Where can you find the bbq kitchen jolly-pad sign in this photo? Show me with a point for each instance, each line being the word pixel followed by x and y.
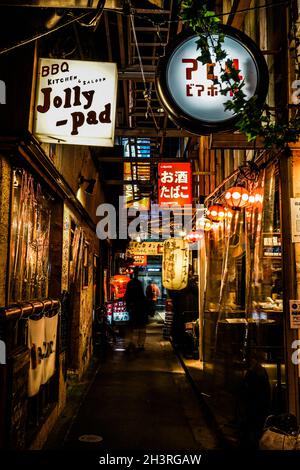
pixel 76 102
pixel 186 87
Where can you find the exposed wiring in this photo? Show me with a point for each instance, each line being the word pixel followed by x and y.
pixel 94 22
pixel 258 7
pixel 41 35
pixel 161 23
pixel 229 13
pixel 264 158
pixel 96 19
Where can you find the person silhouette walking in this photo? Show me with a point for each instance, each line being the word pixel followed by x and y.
pixel 137 307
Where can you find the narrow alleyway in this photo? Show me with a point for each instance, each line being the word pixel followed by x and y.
pixel 141 401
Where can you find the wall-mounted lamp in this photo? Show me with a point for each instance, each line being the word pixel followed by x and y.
pixel 90 187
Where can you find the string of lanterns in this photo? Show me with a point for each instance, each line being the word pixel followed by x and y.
pixel 236 198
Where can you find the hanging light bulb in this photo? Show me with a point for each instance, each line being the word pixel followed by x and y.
pixel 204 224
pixel 216 213
pixel 237 197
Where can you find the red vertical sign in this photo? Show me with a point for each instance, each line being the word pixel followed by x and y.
pixel 174 184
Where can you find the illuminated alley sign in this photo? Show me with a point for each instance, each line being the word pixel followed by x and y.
pixel 76 102
pixel 144 248
pixel 188 91
pixel 139 260
pixel 174 184
pixel 175 266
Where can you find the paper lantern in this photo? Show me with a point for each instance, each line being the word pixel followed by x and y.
pixel 216 213
pixel 194 237
pixel 119 283
pixel 204 224
pixel 256 197
pixel 175 265
pixel 228 214
pixel 237 197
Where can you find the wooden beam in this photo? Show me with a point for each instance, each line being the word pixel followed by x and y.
pixel 236 20
pixel 147 57
pixel 149 29
pixel 109 48
pixel 137 68
pixel 233 141
pixel 151 132
pixel 149 44
pixel 123 63
pixel 136 76
pixel 125 182
pixel 287 183
pixel 142 114
pixel 149 11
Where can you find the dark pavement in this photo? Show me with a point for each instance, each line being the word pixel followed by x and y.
pixel 140 401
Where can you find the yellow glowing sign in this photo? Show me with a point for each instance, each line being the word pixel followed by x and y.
pixel 175 266
pixel 144 248
pixel 144 202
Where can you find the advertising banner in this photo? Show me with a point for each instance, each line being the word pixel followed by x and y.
pixel 139 260
pixel 76 102
pixel 144 248
pixel 41 340
pixel 49 353
pixel 175 184
pixel 175 264
pixel 295 219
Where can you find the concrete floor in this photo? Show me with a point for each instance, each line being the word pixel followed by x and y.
pixel 141 401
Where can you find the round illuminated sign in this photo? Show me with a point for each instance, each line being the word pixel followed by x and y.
pixel 186 87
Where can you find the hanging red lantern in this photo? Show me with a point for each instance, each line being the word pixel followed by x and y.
pixel 204 224
pixel 216 213
pixel 259 196
pixel 256 197
pixel 237 197
pixel 251 199
pixel 119 283
pixel 194 237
